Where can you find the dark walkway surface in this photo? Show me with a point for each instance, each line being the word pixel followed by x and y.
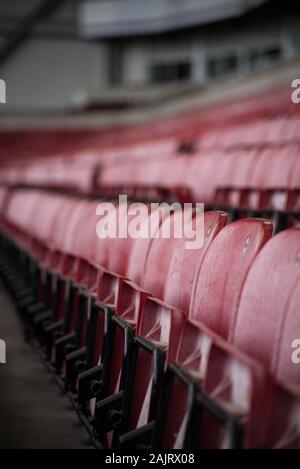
pixel 33 411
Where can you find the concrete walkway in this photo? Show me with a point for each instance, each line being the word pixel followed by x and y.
pixel 33 411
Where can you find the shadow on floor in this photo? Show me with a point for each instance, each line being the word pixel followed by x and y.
pixel 33 411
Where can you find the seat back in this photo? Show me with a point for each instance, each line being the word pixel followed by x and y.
pixel 292 129
pixel 169 172
pixel 295 176
pixel 238 167
pixel 184 262
pixel 119 248
pixel 42 223
pixel 285 363
pixel 274 167
pixel 204 174
pixel 61 260
pixel 20 213
pixel 82 241
pixel 272 174
pixel 141 248
pixel 4 191
pixel 238 171
pixel 171 234
pixel 219 282
pixel 264 316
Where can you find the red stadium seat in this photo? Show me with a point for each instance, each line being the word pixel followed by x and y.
pixel 238 170
pixel 262 312
pixel 161 250
pixel 125 297
pixel 219 282
pixel 283 367
pixel 152 311
pixel 272 178
pixel 268 185
pixel 204 173
pixel 104 287
pixel 184 263
pixel 253 134
pixel 213 387
pixel 20 213
pixel 61 173
pixel 80 246
pixel 156 346
pixel 291 129
pixel 3 198
pixel 159 346
pixel 283 430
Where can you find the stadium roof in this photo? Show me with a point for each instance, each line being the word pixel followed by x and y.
pixel 117 18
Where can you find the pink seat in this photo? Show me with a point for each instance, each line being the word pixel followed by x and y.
pixel 208 368
pixel 283 367
pixel 292 129
pixel 274 167
pixel 184 262
pixel 283 427
pixel 219 282
pixel 43 222
pixel 273 172
pixel 267 312
pixel 61 173
pixel 141 248
pixel 160 327
pixel 204 173
pixel 160 253
pixel 20 213
pixel 119 248
pixel 238 170
pixel 295 174
pixel 58 237
pixel 3 197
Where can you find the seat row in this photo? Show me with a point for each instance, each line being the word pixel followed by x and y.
pixel 260 109
pixel 205 172
pixel 253 178
pixel 280 130
pixel 152 341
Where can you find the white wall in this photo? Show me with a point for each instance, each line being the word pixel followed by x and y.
pixel 52 73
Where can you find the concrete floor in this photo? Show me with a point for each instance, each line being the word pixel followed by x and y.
pixel 33 411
